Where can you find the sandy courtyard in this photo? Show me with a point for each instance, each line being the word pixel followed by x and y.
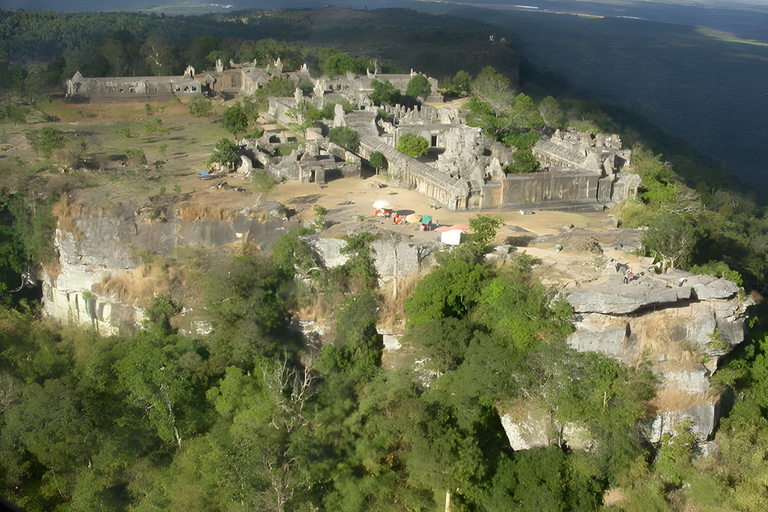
pixel 564 268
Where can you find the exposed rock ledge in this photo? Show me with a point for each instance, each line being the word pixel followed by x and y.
pixel 680 323
pixel 615 298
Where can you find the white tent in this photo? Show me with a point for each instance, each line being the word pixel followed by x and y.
pixel 452 237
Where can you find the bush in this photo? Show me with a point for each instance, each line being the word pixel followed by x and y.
pixel 262 182
pixel 224 153
pixel 136 157
pixel 328 110
pixel 718 269
pixel 200 107
pixel 13 111
pixel 412 145
pixel 523 161
pixel 45 140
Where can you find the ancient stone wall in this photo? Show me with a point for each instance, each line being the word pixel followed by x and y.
pixel 451 193
pixel 134 89
pixel 359 86
pixel 543 187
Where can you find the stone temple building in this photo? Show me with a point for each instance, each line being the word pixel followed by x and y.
pixel 464 168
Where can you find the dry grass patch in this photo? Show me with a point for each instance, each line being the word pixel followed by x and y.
pixel 392 315
pixel 197 211
pixel 614 497
pixel 67 211
pixel 668 399
pixel 140 285
pixel 315 307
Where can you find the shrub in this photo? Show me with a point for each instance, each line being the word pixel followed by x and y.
pixel 224 153
pixel 200 107
pixel 136 157
pixel 45 140
pixel 412 145
pixel 262 182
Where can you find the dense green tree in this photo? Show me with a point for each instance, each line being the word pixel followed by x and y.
pixel 451 289
pixel 338 64
pixel 672 238
pixel 412 145
pixel 251 316
pixel 225 153
pixel 418 87
pixel 345 137
pixel 377 161
pixel 234 120
pixel 444 340
pixel 150 374
pixel 384 93
pixel 523 162
pixel 533 480
pixel 525 115
pixel 521 141
pixel 462 82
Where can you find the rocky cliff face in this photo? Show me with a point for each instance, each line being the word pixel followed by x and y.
pixel 101 279
pixel 680 324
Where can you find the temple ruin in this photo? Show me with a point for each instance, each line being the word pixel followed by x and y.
pixel 464 169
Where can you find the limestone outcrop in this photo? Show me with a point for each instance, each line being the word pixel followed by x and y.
pixel 679 323
pixel 394 257
pixel 100 278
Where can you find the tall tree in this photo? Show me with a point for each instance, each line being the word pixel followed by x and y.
pixel 160 56
pixel 419 87
pixel 234 120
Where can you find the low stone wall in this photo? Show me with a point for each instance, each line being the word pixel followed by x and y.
pixel 132 89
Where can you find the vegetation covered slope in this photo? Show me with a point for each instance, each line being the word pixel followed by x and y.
pixel 247 418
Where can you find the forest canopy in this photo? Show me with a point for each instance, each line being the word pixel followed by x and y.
pixel 248 416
